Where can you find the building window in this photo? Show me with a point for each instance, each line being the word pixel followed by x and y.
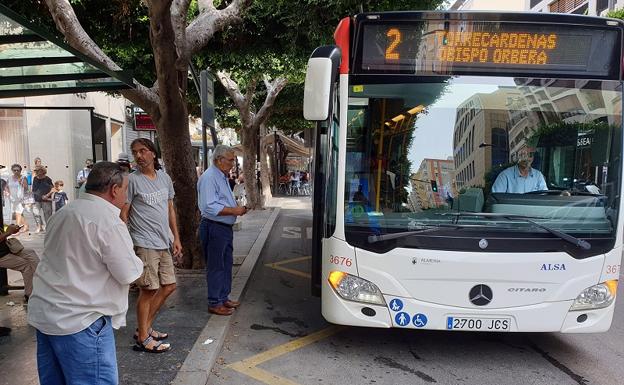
pixel 13 137
pixel 566 6
pixel 581 11
pixel 601 5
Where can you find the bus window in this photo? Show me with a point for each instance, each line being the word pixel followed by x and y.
pixel 418 152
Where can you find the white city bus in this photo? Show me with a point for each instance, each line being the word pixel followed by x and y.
pixel 468 171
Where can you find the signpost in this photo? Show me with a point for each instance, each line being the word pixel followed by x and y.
pixel 142 120
pixel 207 112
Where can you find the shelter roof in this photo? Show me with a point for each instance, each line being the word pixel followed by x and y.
pixel 34 62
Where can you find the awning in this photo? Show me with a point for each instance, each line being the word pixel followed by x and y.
pixel 32 62
pixel 294 147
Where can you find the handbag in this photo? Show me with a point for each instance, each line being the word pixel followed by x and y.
pixel 29 198
pixel 14 245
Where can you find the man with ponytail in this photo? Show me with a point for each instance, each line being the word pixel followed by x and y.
pixel 150 215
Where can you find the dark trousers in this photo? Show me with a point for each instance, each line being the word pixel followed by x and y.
pixel 216 240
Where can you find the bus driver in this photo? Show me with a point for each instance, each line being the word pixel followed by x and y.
pixel 520 179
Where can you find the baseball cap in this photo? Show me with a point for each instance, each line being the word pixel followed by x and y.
pixel 123 159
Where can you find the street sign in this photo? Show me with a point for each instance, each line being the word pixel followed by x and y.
pixel 142 120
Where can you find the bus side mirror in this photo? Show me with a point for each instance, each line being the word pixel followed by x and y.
pixel 317 89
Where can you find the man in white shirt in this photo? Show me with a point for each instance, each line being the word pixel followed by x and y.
pixel 81 284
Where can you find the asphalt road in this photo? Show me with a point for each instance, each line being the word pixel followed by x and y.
pixel 279 337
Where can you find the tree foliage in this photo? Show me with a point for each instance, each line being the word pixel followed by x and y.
pixel 616 14
pixel 157 38
pixel 276 37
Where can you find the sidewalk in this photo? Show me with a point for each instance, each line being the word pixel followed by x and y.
pixel 184 316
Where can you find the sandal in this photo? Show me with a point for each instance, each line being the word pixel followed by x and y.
pixel 150 345
pixel 156 335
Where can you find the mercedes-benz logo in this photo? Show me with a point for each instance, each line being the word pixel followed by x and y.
pixel 483 244
pixel 480 295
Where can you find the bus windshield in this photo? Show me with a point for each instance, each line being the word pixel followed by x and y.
pixel 419 153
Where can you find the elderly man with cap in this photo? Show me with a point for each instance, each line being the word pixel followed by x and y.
pixel 123 160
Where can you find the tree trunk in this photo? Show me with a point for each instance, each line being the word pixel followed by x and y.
pixel 177 155
pixel 173 42
pixel 249 143
pixel 265 172
pixel 171 119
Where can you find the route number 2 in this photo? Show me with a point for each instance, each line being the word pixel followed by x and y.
pixel 395 35
pixel 613 269
pixel 336 260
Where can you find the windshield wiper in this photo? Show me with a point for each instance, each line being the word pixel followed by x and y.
pixel 583 244
pixel 561 192
pixel 425 229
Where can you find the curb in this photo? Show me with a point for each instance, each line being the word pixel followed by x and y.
pixel 197 366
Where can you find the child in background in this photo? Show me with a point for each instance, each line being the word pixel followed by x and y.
pixel 57 196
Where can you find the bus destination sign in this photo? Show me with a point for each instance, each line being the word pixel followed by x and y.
pixel 480 47
pixel 497 48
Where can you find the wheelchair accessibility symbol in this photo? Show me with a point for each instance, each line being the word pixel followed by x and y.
pixel 419 320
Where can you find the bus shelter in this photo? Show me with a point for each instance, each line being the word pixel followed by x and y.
pixel 34 62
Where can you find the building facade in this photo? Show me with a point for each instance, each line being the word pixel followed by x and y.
pixel 64 131
pixel 481 135
pixel 440 171
pixel 488 5
pixel 580 7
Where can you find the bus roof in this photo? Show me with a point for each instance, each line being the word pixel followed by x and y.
pixel 542 17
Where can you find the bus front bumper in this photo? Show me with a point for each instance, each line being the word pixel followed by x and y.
pixel 414 314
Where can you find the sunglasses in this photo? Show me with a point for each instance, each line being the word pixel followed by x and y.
pixel 15 169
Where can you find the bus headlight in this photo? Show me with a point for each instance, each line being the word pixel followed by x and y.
pixel 596 297
pixel 356 289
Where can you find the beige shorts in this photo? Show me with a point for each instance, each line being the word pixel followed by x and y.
pixel 157 268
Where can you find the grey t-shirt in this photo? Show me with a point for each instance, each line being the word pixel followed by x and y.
pixel 148 220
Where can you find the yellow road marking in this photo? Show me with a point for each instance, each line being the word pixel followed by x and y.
pixel 249 365
pixel 292 346
pixel 291 271
pixel 263 375
pixel 292 260
pixel 278 266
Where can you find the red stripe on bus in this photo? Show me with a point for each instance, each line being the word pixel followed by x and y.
pixel 341 36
